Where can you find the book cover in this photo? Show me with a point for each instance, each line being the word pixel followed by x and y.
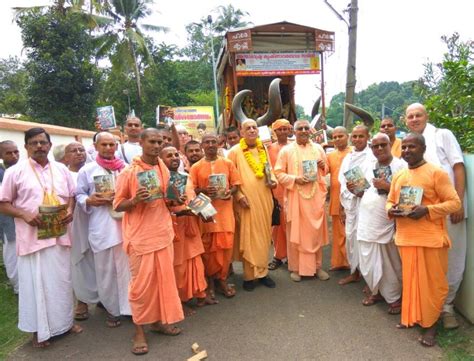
pixel 264 134
pixel 106 117
pixel 383 171
pixel 149 179
pixel 310 169
pixel 51 217
pixel 104 184
pixel 176 186
pixel 356 176
pixel 202 205
pixel 409 197
pixel 219 181
pixel 161 116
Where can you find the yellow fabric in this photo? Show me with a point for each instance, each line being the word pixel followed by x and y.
pixel 280 123
pixel 397 148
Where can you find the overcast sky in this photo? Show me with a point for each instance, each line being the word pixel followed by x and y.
pixel 394 40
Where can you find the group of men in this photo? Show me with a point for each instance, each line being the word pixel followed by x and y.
pixel 135 254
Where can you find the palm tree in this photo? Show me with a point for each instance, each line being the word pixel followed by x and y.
pixel 229 18
pixel 124 42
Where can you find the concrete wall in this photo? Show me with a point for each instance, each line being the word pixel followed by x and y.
pixel 465 297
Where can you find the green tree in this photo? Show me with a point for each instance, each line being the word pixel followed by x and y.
pixel 125 42
pixel 447 90
pixel 63 87
pixel 300 114
pixel 13 84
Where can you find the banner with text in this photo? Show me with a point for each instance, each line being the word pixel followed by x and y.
pixel 277 64
pixel 190 117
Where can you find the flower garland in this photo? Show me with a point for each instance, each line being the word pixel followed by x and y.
pixel 298 161
pixel 257 168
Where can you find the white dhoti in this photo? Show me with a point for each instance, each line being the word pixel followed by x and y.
pixel 352 243
pixel 84 278
pixel 45 298
pixel 10 262
pixel 456 257
pixel 381 267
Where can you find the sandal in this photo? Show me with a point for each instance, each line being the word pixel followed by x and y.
pixel 428 340
pixel 225 289
pixel 372 300
pixel 274 264
pixel 395 308
pixel 139 348
pixel 113 321
pixel 168 330
pixel 82 312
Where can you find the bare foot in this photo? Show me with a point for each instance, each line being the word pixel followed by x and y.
pixel 188 311
pixel 169 330
pixel 140 345
pixel 206 301
pixel 355 277
pixel 339 268
pixel 37 344
pixel 402 327
pixel 429 338
pixel 75 329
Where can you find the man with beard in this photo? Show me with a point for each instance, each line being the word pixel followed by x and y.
pixel 45 304
pixel 148 241
pixel 218 236
pixel 193 152
pixel 305 195
pixel 379 260
pixel 360 156
pixel 9 154
pixel 104 249
pixel 422 237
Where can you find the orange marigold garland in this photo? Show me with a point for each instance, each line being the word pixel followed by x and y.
pixel 257 167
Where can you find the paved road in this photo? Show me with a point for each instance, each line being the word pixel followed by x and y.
pixel 310 320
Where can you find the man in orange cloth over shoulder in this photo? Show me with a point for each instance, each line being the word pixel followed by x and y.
pixel 218 236
pixel 335 158
pixel 148 241
pixel 422 237
pixel 187 245
pixel 301 168
pixel 282 128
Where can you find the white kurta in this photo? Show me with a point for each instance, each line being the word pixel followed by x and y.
pixel 443 149
pixel 351 203
pixel 379 261
pixel 105 258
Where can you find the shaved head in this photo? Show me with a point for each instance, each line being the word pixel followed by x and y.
pixel 381 136
pixel 103 135
pixel 147 132
pixel 420 139
pixel 362 127
pixel 413 106
pixel 340 129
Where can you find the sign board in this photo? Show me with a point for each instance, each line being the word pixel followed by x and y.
pixel 324 40
pixel 239 41
pixel 190 117
pixel 277 64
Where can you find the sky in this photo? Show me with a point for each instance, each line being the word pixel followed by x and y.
pixel 394 38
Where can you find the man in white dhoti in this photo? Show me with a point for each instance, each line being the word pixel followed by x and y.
pixel 350 197
pixel 102 255
pixel 9 154
pixel 45 304
pixel 443 149
pixel 379 261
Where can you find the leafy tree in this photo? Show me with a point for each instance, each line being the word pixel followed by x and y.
pixel 13 84
pixel 63 87
pixel 300 114
pixel 447 90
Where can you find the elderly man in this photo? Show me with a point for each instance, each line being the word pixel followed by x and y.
pixel 9 154
pixel 300 169
pixel 422 237
pixel 148 241
pixel 75 157
pixel 443 150
pixel 254 206
pixel 351 195
pixel 379 260
pixel 59 154
pixel 387 126
pixel 218 236
pixel 340 138
pixel 44 266
pixel 105 247
pixel 281 127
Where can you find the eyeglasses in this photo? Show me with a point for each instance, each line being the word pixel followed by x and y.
pixel 303 128
pixel 77 150
pixel 37 142
pixel 377 146
pixel 387 126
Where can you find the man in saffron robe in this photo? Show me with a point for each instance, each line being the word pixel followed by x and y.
pixel 300 168
pixel 387 126
pixel 335 158
pixel 148 241
pixel 422 237
pixel 187 245
pixel 218 236
pixel 281 127
pixel 254 206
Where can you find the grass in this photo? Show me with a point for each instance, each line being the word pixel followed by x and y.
pixel 457 345
pixel 10 336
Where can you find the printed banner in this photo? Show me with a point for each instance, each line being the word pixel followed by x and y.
pixel 277 64
pixel 190 117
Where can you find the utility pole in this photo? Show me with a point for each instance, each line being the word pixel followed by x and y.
pixel 214 72
pixel 351 55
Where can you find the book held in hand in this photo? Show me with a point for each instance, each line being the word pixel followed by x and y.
pixel 310 169
pixel 202 205
pixel 219 181
pixel 104 184
pixel 383 172
pixel 51 217
pixel 409 197
pixel 106 117
pixel 176 186
pixel 149 179
pixel 356 176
